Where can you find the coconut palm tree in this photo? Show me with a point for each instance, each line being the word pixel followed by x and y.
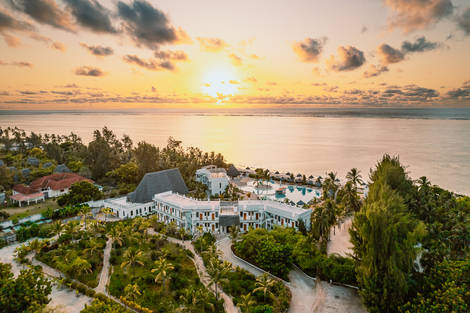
pixel 162 268
pixel 350 198
pixel 245 303
pixel 264 284
pixel 37 245
pixel 81 266
pixel 234 233
pixel 355 177
pixel 93 247
pixel 217 272
pixel 57 228
pixel 106 211
pixel 131 292
pixel 116 235
pixel 132 258
pixel 72 228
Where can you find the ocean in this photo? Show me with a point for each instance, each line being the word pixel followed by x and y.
pixel 430 142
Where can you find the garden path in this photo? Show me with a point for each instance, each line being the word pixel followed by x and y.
pixel 104 276
pixel 202 272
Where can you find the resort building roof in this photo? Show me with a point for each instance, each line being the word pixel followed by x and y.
pixel 57 181
pixel 158 182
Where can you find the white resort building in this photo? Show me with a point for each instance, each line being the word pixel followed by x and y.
pixel 162 193
pixel 214 178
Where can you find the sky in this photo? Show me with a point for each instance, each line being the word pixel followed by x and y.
pixel 100 54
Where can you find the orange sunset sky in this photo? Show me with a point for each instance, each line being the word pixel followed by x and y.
pixel 73 54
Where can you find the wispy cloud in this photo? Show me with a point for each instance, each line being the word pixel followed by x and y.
pixel 89 71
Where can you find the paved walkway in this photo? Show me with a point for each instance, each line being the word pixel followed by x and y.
pixel 104 276
pixel 307 295
pixel 202 272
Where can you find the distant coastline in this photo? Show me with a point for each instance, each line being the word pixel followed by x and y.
pixel 396 113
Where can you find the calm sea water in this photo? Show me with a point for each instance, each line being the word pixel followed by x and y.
pixel 431 142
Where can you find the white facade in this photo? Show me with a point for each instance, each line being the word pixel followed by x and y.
pixel 214 178
pixel 124 209
pixel 209 215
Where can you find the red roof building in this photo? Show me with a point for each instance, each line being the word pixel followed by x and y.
pixel 50 186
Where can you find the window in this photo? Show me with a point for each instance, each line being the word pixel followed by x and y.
pixel 132 213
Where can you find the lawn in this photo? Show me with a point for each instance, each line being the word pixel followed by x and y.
pixel 25 211
pixel 132 277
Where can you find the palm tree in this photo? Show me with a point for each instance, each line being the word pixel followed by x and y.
pixel 163 267
pixel 93 247
pixel 217 272
pixel 72 228
pixel 350 198
pixel 355 177
pixel 245 303
pixel 106 211
pixel 234 233
pixel 57 228
pixel 264 283
pixel 116 235
pixel 182 233
pixel 81 266
pixel 131 292
pixel 131 258
pixel 424 182
pixel 36 245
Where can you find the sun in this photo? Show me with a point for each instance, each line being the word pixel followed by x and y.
pixel 220 83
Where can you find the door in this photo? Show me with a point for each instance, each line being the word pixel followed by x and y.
pixel 213 227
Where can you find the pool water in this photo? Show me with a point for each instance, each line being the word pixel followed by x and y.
pixel 294 193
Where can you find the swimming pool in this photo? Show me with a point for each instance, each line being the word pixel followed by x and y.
pixel 294 193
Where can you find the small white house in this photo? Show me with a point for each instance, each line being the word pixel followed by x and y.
pixel 214 178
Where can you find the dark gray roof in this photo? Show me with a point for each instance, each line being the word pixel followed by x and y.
pixel 32 161
pixel 229 220
pixel 47 165
pixel 157 182
pixel 61 168
pixel 232 171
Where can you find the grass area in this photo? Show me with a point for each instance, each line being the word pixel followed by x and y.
pixel 25 211
pixel 78 254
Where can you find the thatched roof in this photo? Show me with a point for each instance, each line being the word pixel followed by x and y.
pixel 158 182
pixel 232 171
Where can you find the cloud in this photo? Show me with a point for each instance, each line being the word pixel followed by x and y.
pixel 411 15
pixel 310 49
pixel 463 21
pixel 11 40
pixel 58 46
pixel 375 70
pixel 420 45
pixel 18 64
pixel 150 64
pixel 99 51
pixel 364 29
pixel 171 55
pixel 149 26
pixel 234 82
pixel 89 71
pixel 462 93
pixel 255 56
pixel 92 15
pixel 8 22
pixel 212 44
pixel 389 55
pixel 349 58
pixel 44 12
pixel 236 60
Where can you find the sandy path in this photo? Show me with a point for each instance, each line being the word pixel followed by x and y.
pixel 64 299
pixel 104 276
pixel 336 299
pixel 202 272
pixel 340 239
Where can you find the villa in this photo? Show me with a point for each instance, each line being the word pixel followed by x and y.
pixel 214 178
pixel 162 193
pixel 50 186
